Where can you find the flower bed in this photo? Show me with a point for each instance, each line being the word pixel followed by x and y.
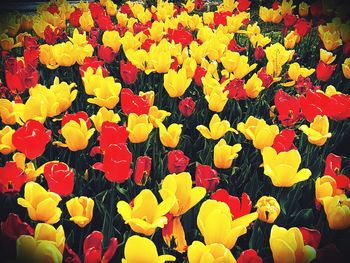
pixel 152 133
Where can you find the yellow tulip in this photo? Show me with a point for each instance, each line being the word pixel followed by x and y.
pixel 291 39
pixel 122 18
pixel 146 214
pixel 230 60
pixel 317 133
pixel 268 209
pixel 170 136
pixel 35 108
pixel 303 9
pixel 43 251
pixel 48 232
pixel 149 95
pixel 331 39
pixel 52 106
pixel 77 135
pixel 346 68
pixel 216 49
pixel 198 52
pixel 283 167
pixel 86 21
pixel 224 154
pixel 330 91
pixel 160 60
pixel 64 54
pixel 156 31
pixel 111 39
pixel 253 86
pixel 129 41
pixel 243 67
pixel 288 246
pixel 217 99
pixel 64 94
pixel 198 252
pixel 139 127
pixel 174 232
pixel 176 83
pixel 41 205
pixel 270 15
pixel 326 186
pixel 46 56
pixel 111 8
pixel 180 186
pixel 6 145
pixel 277 56
pixel 294 71
pixel 210 84
pixel 7 113
pixel 215 223
pixel 157 115
pixel 190 65
pixel 141 249
pixel 102 116
pixel 81 210
pixel 208 18
pixel 337 210
pixel 286 7
pixel 258 131
pixel 217 128
pixel 259 40
pixel 6 42
pixel 327 57
pixel 234 23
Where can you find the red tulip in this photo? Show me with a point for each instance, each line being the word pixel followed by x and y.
pixel 276 5
pixel 236 89
pixel 51 36
pixel 259 53
pixel 238 208
pixel 313 104
pixel 96 10
pixel 112 133
pixel 324 71
pixel 93 248
pixel 267 79
pixel 147 44
pixel 187 106
pixel 116 163
pixel 243 5
pixel 94 63
pixel 305 84
pixel 302 27
pixel 76 117
pixel 128 72
pixel 220 18
pixel 125 9
pixel 207 177
pixel 288 108
pixel 60 178
pixel 11 178
pixel 233 46
pixel 198 74
pixel 53 9
pixel 283 142
pixel 339 109
pixel 142 170
pixel 132 103
pixel 104 22
pixel 106 54
pixel 312 237
pixel 180 36
pixel 177 161
pixel 13 227
pixel 31 139
pixel 198 4
pixel 249 256
pixel 75 16
pixel 289 20
pixel 70 256
pixel 333 169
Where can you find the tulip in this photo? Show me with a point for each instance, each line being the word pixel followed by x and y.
pixel 217 100
pixel 60 178
pixel 238 208
pixel 128 72
pixel 282 168
pixel 268 209
pixel 216 225
pixel 302 27
pixel 295 71
pixel 291 39
pixel 333 167
pixel 330 39
pixel 270 15
pixel 243 67
pixel 253 86
pixel 141 249
pixel 49 233
pixel 139 127
pixel 155 115
pixel 198 252
pixel 12 178
pixel 288 246
pixel 318 131
pixel 230 60
pixel 180 186
pixel 337 210
pixel 249 255
pixel 93 248
pixel 6 145
pixel 7 114
pixel 13 227
pixel 346 68
pixel 277 56
pixel 176 83
pixel 106 54
pixel 160 59
pixel 76 117
pixel 104 115
pixel 41 205
pixel 187 106
pixel 31 139
pixel 106 95
pixel 206 177
pixel 288 108
pixel 132 103
pixel 81 210
pixel 172 232
pixel 237 90
pixel 303 9
pixel 283 142
pixel 146 214
pixel 76 134
pixel 86 22
pixel 112 133
pixel 324 71
pixel 217 128
pixel 259 132
pixel 170 136
pixel 327 57
pixel 111 39
pixel 142 170
pixel 177 161
pixel 326 186
pixel 224 154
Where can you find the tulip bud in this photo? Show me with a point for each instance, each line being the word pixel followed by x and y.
pixel 142 170
pixel 207 177
pixel 187 106
pixel 259 53
pixel 268 209
pixel 177 161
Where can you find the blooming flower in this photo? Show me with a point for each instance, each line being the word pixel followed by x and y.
pixel 217 128
pixel 318 131
pixel 268 209
pixel 60 178
pixel 93 248
pixel 81 210
pixel 198 252
pixel 224 154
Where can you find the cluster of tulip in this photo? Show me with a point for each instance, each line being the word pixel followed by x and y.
pixel 163 132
